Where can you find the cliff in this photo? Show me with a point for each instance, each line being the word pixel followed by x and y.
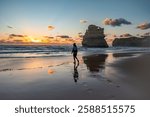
pixel 132 41
pixel 94 37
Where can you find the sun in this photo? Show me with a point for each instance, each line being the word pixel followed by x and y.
pixel 34 40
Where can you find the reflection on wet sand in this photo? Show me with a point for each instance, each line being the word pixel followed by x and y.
pixel 50 71
pixel 123 54
pixel 99 76
pixel 76 74
pixel 95 62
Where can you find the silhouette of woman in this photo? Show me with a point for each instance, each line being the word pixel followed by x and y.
pixel 74 52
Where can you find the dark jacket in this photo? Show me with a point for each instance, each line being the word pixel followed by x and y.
pixel 74 49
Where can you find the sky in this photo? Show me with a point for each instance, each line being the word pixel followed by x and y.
pixel 50 21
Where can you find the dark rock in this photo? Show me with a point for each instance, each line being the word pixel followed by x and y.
pixel 132 41
pixel 94 37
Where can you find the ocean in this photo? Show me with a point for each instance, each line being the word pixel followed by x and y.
pixel 35 51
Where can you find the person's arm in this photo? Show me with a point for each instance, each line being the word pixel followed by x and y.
pixel 72 51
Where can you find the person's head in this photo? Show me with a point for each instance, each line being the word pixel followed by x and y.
pixel 74 44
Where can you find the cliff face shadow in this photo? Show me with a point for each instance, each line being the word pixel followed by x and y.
pixel 95 62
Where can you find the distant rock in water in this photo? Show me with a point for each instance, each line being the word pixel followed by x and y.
pixel 94 37
pixel 132 41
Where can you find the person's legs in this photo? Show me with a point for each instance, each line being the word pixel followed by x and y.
pixel 74 57
pixel 77 59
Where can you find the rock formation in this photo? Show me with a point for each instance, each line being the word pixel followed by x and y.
pixel 94 37
pixel 132 41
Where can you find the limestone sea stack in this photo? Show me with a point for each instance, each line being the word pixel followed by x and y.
pixel 132 41
pixel 94 37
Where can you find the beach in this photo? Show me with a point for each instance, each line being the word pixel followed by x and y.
pixel 99 76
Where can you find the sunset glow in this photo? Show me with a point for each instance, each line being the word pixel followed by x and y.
pixel 65 22
pixel 34 40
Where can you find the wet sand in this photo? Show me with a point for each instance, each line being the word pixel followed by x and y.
pixel 97 77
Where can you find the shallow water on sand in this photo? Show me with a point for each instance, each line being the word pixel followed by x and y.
pixel 96 77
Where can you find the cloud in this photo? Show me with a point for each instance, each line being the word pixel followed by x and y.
pixel 18 41
pixel 83 21
pixel 116 22
pixel 2 41
pixel 69 39
pixel 146 34
pixel 48 37
pixel 9 27
pixel 51 27
pixel 126 35
pixel 63 36
pixel 110 38
pixel 15 35
pixel 80 35
pixel 144 26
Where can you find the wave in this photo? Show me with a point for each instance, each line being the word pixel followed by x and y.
pixel 32 51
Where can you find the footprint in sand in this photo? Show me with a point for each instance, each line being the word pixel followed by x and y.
pixel 109 81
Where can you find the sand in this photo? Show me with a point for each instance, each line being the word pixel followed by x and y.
pixel 121 76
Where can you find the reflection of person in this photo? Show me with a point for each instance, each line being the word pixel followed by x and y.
pixel 74 52
pixel 76 74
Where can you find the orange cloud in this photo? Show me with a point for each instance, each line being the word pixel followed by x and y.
pixel 2 41
pixel 144 26
pixel 116 22
pixel 51 27
pixel 26 39
pixel 146 34
pixel 126 35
